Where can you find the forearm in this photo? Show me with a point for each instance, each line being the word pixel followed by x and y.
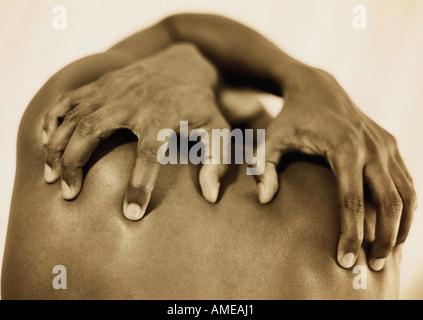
pixel 86 70
pixel 228 44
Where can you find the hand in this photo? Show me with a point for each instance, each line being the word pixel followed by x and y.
pixel 319 118
pixel 145 97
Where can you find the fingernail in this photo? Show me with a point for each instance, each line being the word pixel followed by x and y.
pixel 266 192
pixel 347 260
pixel 133 212
pixel 45 138
pixel 261 195
pixel 215 192
pixel 377 264
pixel 212 192
pixel 49 174
pixel 66 191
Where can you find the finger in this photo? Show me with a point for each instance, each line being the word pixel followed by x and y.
pixel 348 172
pixel 60 139
pixel 408 197
pixel 278 143
pixel 143 179
pixel 268 183
pixel 52 166
pixel 88 133
pixel 209 178
pixel 52 118
pixel 61 108
pixel 218 157
pixel 389 209
pixel 400 163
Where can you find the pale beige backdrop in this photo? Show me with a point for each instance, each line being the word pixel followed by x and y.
pixel 381 67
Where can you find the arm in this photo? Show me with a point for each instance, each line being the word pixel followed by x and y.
pixel 318 118
pixel 185 248
pixel 227 43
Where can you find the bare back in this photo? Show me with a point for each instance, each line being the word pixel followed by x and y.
pixel 185 248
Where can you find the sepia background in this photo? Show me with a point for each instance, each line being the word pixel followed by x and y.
pixel 380 67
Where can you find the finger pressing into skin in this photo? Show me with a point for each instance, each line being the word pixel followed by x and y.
pixel 216 139
pixel 408 197
pixel 276 145
pixel 53 156
pixel 60 138
pixel 268 183
pixel 348 172
pixel 88 133
pixel 52 118
pixel 142 181
pixel 389 209
pixel 209 179
pixel 61 108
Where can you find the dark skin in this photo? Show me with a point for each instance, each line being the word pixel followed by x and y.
pixel 177 83
pixel 318 119
pixel 185 247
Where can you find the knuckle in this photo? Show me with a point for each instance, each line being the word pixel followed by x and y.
pixel 350 149
pixel 393 207
pixel 392 141
pixel 355 238
pixel 137 129
pixel 52 147
pixel 409 199
pixel 65 163
pixel 68 163
pixel 148 153
pixel 140 189
pixel 386 246
pixel 350 141
pixel 401 238
pixel 49 117
pixel 52 157
pixel 149 130
pixel 67 97
pixel 87 126
pixel 72 115
pixel 389 143
pixel 353 205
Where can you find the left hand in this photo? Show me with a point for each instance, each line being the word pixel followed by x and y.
pixel 146 97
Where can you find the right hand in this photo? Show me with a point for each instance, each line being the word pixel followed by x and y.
pixel 319 118
pixel 154 94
